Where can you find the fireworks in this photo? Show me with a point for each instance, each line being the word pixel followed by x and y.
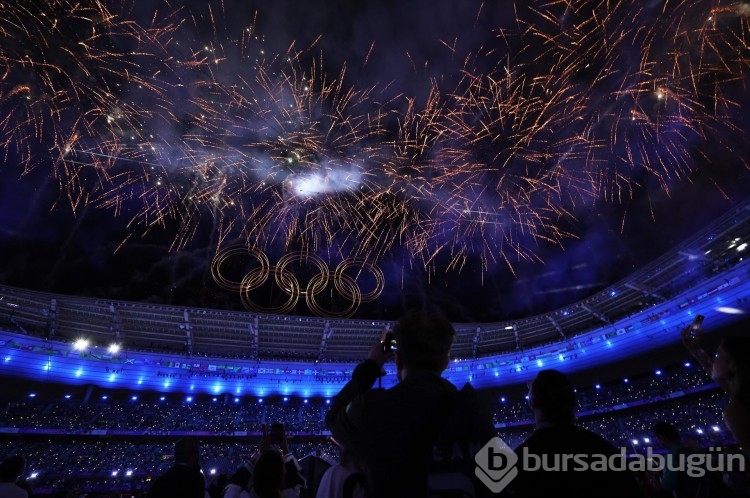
pixel 179 118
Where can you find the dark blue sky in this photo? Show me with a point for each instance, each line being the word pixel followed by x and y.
pixel 498 161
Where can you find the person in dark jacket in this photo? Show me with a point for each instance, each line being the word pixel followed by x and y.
pixel 184 478
pixel 420 437
pixel 551 460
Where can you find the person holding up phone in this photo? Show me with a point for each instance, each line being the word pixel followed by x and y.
pixel 294 480
pixel 419 437
pixel 730 369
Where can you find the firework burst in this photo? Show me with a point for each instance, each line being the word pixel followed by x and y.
pixel 180 119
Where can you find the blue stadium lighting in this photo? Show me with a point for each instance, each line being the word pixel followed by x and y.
pixel 625 380
pixel 189 399
pixel 217 388
pixel 162 398
pixel 112 377
pixel 134 398
pixel 236 400
pixel 32 395
pixel 598 386
pixel 7 359
pixel 658 372
pixel 561 357
pixel 328 402
pixel 67 396
pixel 687 363
pixel 526 397
pixel 140 381
pixel 215 400
pixel 79 372
pixel 503 399
pixel 192 387
pixel 47 366
pixel 539 363
pixel 260 400
pixel 166 383
pixel 114 348
pixel 286 399
pixel 305 401
pixel 497 374
pixel 105 396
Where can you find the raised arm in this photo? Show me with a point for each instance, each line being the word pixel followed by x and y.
pixel 691 339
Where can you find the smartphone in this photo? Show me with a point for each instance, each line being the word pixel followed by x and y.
pixel 696 325
pixel 389 343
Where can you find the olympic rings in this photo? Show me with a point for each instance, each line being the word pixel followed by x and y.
pixel 255 275
pixel 287 281
pixel 364 264
pixel 221 258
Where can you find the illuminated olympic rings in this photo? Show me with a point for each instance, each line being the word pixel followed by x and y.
pixel 343 281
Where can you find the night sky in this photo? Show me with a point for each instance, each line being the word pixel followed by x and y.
pixel 496 160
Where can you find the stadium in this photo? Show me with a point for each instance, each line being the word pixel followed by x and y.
pixel 210 212
pixel 116 380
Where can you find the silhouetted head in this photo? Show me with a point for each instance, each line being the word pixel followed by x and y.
pixel 667 434
pixel 732 365
pixel 186 451
pixel 552 395
pixel 268 474
pixel 424 341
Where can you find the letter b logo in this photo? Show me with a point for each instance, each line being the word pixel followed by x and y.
pixel 496 464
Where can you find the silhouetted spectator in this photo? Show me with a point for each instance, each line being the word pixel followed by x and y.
pixel 730 368
pixel 677 478
pixel 240 483
pixel 345 479
pixel 184 478
pixel 268 476
pixel 294 480
pixel 549 473
pixel 420 437
pixel 314 465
